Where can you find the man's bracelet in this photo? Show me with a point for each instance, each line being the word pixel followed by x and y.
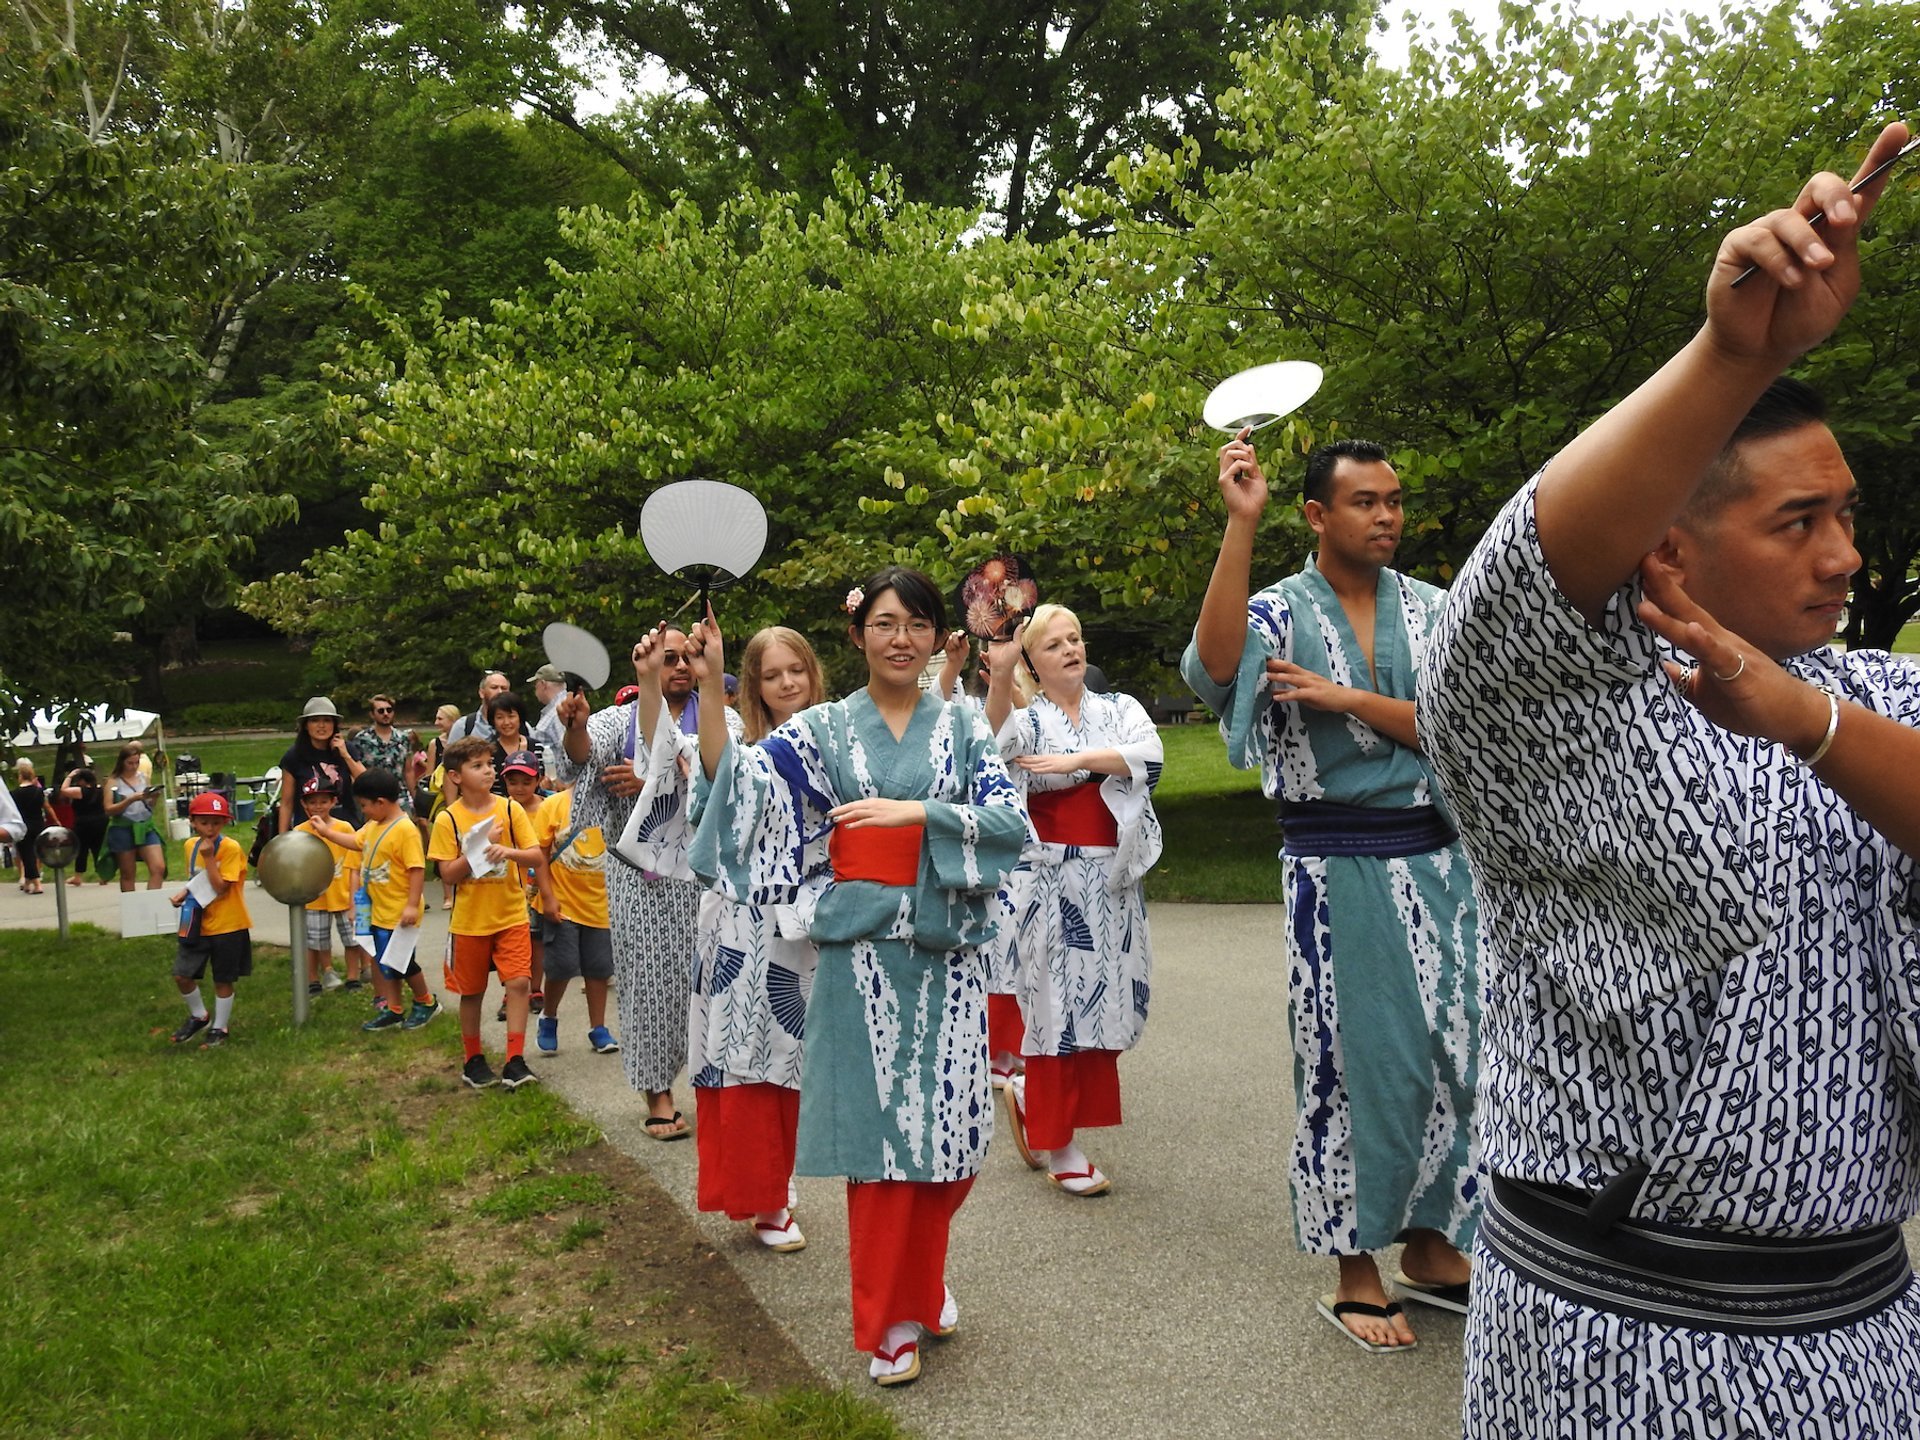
pixel 1833 728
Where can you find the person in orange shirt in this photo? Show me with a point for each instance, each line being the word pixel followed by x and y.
pixel 217 933
pixel 393 873
pixel 579 946
pixel 333 909
pixel 489 926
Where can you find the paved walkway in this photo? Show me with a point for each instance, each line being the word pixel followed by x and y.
pixel 1175 1305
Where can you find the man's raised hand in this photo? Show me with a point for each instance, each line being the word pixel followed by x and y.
pixel 1242 483
pixel 1808 277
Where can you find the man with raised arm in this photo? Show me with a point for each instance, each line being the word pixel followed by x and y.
pixel 1313 680
pixel 1698 1098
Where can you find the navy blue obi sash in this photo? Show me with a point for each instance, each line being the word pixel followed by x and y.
pixel 1692 1279
pixel 1320 827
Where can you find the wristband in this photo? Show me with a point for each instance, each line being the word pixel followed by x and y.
pixel 1833 728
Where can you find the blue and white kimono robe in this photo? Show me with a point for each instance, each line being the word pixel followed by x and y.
pixel 752 964
pixel 896 1084
pixel 1704 962
pixel 1086 960
pixel 651 916
pixel 1381 952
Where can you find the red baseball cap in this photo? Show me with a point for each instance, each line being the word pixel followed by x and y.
pixel 211 802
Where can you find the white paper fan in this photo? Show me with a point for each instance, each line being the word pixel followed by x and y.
pixel 1262 395
pixel 704 532
pixel 579 653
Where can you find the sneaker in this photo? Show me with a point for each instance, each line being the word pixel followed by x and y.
pixel 547 1035
pixel 515 1073
pixel 330 980
pixel 418 1014
pixel 189 1027
pixel 602 1041
pixel 313 987
pixel 352 984
pixel 477 1073
pixel 536 1002
pixel 216 1037
pixel 385 1020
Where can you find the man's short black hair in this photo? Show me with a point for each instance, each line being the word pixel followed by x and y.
pixel 1784 406
pixel 1318 482
pixel 373 784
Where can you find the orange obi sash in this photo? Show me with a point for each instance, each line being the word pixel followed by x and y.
pixel 882 854
pixel 1074 816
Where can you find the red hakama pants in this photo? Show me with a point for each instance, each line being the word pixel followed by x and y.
pixel 1006 1026
pixel 897 1249
pixel 1073 1092
pixel 746 1136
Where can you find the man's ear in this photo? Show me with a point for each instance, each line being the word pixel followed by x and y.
pixel 1316 514
pixel 1675 548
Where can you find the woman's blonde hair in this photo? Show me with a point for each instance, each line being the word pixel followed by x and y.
pixel 1043 620
pixel 754 715
pixel 446 712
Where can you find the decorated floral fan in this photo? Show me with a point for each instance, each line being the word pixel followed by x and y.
pixel 996 597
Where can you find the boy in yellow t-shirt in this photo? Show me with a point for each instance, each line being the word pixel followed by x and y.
pixel 482 842
pixel 579 945
pixel 393 873
pixel 332 910
pixel 216 932
pixel 520 774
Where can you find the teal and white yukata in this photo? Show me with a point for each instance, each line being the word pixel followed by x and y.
pixel 895 1083
pixel 1381 949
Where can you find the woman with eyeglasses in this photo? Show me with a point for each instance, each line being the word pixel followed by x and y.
pixel 888 821
pixel 1088 764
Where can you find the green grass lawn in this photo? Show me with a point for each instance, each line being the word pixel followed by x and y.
pixel 315 1232
pixel 1908 641
pixel 1222 843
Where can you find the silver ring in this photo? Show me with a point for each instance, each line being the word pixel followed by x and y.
pixel 1738 671
pixel 1687 678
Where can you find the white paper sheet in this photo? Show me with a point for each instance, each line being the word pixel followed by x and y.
pixel 200 887
pixel 474 846
pixel 400 947
pixel 148 912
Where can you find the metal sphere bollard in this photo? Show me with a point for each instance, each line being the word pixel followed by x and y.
pixel 56 847
pixel 297 867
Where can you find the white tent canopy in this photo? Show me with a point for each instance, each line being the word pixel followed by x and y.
pixel 96 724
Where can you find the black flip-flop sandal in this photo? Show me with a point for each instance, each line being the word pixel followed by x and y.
pixel 668 1120
pixel 1441 1297
pixel 1331 1311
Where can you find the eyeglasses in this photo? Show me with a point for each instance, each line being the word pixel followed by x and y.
pixel 887 629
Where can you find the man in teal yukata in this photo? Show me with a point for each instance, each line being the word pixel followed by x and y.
pixel 1313 681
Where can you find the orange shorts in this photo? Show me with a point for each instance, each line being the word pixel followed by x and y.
pixel 469 957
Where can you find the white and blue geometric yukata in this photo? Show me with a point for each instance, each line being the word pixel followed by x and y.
pixel 752 964
pixel 1703 963
pixel 652 916
pixel 1381 949
pixel 895 1083
pixel 1086 959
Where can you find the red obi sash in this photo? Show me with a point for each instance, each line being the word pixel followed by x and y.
pixel 885 855
pixel 1074 816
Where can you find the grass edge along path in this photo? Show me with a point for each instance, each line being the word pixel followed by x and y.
pixel 316 1232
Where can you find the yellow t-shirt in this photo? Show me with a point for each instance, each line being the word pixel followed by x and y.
pixel 228 912
pixel 580 871
pixel 339 894
pixel 392 850
pixel 485 907
pixel 531 890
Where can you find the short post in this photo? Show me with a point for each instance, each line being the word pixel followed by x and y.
pixel 57 851
pixel 297 867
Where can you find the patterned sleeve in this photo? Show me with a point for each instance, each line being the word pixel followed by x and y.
pixel 660 829
pixel 606 743
pixel 762 839
pixel 1130 796
pixel 1243 704
pixel 973 843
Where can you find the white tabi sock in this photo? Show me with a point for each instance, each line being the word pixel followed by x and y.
pixel 1069 1159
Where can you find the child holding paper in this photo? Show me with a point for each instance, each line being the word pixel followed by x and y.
pixel 482 843
pixel 215 928
pixel 333 909
pixel 393 873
